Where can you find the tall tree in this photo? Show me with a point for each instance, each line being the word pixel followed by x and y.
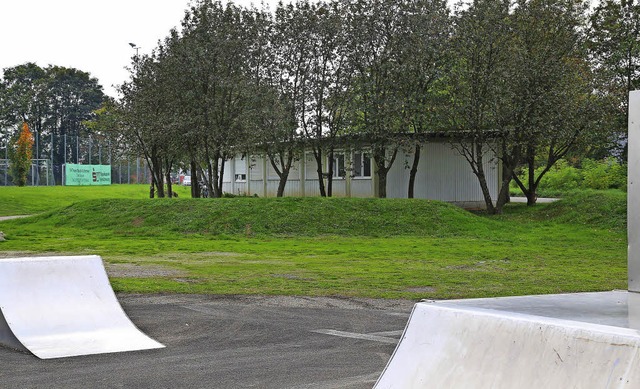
pixel 214 49
pixel 424 60
pixel 551 108
pixel 272 118
pixel 376 107
pixel 144 111
pixel 477 83
pixel 614 48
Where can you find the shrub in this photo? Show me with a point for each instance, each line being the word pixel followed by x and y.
pixel 563 177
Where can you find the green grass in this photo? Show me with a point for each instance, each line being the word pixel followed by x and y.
pixel 30 200
pixel 336 247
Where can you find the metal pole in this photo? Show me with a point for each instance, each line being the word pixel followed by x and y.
pixel 633 193
pixel 51 162
pixel 6 157
pixel 128 171
pixel 37 170
pixel 90 144
pixel 77 149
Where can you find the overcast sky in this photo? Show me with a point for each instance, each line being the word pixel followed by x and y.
pixel 89 35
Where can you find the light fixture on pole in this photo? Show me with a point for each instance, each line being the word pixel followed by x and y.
pixel 134 46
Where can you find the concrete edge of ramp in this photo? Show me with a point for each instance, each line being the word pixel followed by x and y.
pixel 64 306
pixel 463 347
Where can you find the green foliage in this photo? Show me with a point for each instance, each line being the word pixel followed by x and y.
pixel 605 174
pixel 20 156
pixel 615 53
pixel 563 178
pixel 53 101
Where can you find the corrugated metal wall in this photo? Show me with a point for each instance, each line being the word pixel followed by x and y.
pixel 443 174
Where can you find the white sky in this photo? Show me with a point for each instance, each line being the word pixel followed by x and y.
pixel 89 35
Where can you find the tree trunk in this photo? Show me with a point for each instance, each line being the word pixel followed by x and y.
pixel 532 197
pixel 283 170
pixel 413 172
pixel 195 187
pixel 491 210
pixel 330 173
pixel 503 195
pixel 158 177
pixel 152 188
pixel 169 185
pixel 212 174
pixel 382 168
pixel 318 156
pixel 221 177
pixel 283 182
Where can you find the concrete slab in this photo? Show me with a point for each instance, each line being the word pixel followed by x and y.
pixel 615 308
pixel 583 340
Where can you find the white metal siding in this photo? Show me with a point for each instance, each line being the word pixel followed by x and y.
pixel 443 174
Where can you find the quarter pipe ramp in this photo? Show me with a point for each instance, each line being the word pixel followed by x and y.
pixel 63 306
pixel 448 346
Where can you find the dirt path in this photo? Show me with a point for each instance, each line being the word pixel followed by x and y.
pixel 2 218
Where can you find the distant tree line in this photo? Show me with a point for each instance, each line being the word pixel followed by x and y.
pixel 529 81
pixel 53 101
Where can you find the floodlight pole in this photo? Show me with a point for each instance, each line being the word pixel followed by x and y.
pixel 134 46
pixel 633 193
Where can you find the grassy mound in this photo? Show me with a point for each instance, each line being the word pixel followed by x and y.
pixel 269 217
pixel 597 209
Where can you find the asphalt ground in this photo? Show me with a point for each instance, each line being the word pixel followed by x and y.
pixel 233 342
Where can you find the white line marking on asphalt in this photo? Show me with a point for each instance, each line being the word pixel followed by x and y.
pixel 388 333
pixel 399 314
pixel 368 380
pixel 354 335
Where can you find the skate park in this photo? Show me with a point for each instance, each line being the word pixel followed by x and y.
pixel 583 339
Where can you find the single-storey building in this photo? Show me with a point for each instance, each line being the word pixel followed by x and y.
pixel 443 174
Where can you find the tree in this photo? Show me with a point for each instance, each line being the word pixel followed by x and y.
pixel 476 84
pixel 54 101
pixel 424 60
pixel 289 72
pixel 272 118
pixel 614 48
pixel 145 110
pixel 376 106
pixel 71 96
pixel 551 109
pixel 20 156
pixel 213 54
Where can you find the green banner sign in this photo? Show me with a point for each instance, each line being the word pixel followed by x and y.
pixel 87 174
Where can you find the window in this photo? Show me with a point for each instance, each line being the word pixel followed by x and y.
pixel 361 165
pixel 240 169
pixel 339 170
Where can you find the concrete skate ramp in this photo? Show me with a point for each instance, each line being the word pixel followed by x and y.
pixel 463 347
pixel 63 306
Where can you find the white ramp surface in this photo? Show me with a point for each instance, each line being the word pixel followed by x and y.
pixel 63 306
pixel 446 346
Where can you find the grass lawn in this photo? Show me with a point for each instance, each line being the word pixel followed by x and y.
pixel 380 248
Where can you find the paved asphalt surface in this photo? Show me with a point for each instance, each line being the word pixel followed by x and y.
pixel 233 342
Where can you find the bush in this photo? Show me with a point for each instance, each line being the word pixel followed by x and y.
pixel 605 174
pixel 563 177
